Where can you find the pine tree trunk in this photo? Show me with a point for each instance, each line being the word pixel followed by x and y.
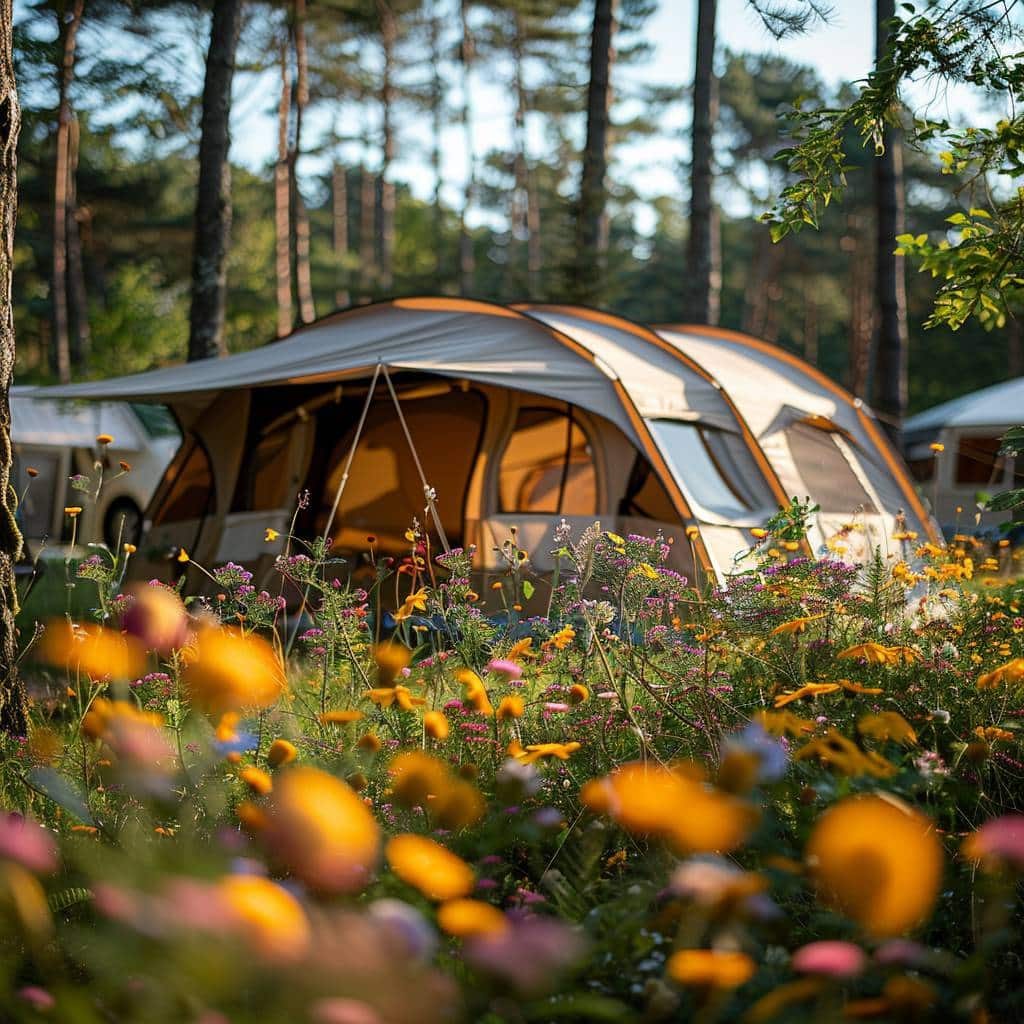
pixel 518 201
pixel 339 234
pixel 861 312
pixel 591 254
pixel 701 290
pixel 467 267
pixel 386 188
pixel 810 321
pixel 367 252
pixel 436 125
pixel 893 341
pixel 81 338
pixel 67 34
pixel 299 216
pixel 282 202
pixel 213 190
pixel 13 704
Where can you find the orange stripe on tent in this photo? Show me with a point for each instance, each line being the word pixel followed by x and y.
pixel 870 426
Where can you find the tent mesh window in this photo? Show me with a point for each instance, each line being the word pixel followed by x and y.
pixel 825 470
pixel 646 496
pixel 266 473
pixel 191 486
pixel 548 466
pixel 978 461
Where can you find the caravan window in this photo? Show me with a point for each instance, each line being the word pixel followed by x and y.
pixel 190 493
pixel 714 468
pixel 978 461
pixel 824 468
pixel 548 466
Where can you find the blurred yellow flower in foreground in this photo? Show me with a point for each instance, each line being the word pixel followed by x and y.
pixel 476 692
pixel 672 804
pixel 92 650
pixel 390 658
pixel 416 776
pixel 272 920
pixel 463 918
pixel 1011 672
pixel 281 752
pixel 536 751
pixel 510 707
pixel 320 830
pixel 878 861
pixel 807 690
pixel 887 725
pixel 710 968
pixel 228 670
pixel 428 866
pixel 435 725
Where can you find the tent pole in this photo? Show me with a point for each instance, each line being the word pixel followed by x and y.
pixel 352 451
pixel 428 492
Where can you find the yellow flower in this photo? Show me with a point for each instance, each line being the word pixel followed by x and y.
pixel 937 447
pixel 72 510
pixel 401 695
pixel 510 707
pixel 1011 672
pixel 676 806
pixel 228 670
pixel 273 920
pixel 435 725
pixel 476 692
pixel 130 549
pixel 463 918
pixel 342 717
pixel 562 639
pixel 887 725
pixel 877 654
pixel 646 569
pixel 92 650
pixel 851 687
pixel 807 690
pixel 458 805
pixel 256 779
pixel 281 752
pixel 536 751
pixel 836 751
pixel 321 831
pixel 710 968
pixel 578 693
pixel 692 532
pixel 878 861
pixel 270 535
pixel 437 872
pixel 782 723
pixel 104 439
pixel 521 649
pixel 992 734
pixel 415 602
pixel 758 534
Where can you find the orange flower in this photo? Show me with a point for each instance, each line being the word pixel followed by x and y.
pixel 836 751
pixel 391 658
pixel 521 649
pixel 887 725
pixel 510 707
pixel 795 625
pixel 536 751
pixel 437 872
pixel 807 690
pixel 281 752
pixel 458 805
pixel 476 692
pixel 370 742
pixel 321 831
pixel 710 968
pixel 782 723
pixel 229 670
pixel 578 694
pixel 435 725
pixel 272 920
pixel 400 695
pixel 416 775
pixel 340 717
pixel 1011 672
pixel 92 650
pixel 463 918
pixel 877 861
pixel 851 687
pixel 256 779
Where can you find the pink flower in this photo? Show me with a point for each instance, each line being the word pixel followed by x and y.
pixel 38 998
pixel 833 959
pixel 554 706
pixel 27 843
pixel 1000 840
pixel 506 668
pixel 901 953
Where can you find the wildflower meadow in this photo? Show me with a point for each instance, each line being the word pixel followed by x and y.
pixel 361 792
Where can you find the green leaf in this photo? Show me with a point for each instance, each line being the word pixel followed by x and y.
pixel 60 791
pixel 1006 501
pixel 1013 442
pixel 528 589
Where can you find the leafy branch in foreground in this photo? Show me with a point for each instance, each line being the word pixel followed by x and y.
pixel 979 264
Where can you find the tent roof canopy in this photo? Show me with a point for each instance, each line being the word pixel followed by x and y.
pixel 999 406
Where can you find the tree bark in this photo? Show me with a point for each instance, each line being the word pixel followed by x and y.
pixel 893 336
pixel 591 237
pixel 1014 348
pixel 436 126
pixel 702 288
pixel 467 262
pixel 282 228
pixel 299 216
pixel 525 214
pixel 386 188
pixel 13 703
pixel 339 234
pixel 81 338
pixel 861 313
pixel 67 33
pixel 213 191
pixel 367 228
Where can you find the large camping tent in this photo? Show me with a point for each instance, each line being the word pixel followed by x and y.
pixel 969 429
pixel 515 416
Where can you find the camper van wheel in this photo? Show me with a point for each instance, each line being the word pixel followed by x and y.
pixel 131 532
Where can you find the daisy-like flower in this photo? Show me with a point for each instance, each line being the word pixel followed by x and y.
pixel 795 625
pixel 807 690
